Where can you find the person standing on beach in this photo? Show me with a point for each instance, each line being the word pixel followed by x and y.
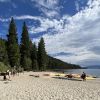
pixel 4 77
pixel 83 76
pixel 8 73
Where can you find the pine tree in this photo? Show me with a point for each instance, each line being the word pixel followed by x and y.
pixel 34 57
pixel 3 52
pixel 42 56
pixel 25 48
pixel 12 45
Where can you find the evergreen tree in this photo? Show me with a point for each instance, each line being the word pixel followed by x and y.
pixel 25 48
pixel 27 63
pixel 42 56
pixel 3 52
pixel 34 57
pixel 12 45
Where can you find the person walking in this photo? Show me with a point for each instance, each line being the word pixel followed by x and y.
pixel 4 77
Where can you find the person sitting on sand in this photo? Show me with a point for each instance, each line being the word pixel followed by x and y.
pixel 83 76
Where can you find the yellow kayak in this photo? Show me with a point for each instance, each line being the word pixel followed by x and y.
pixel 74 76
pixel 57 74
pixel 89 78
pixel 78 76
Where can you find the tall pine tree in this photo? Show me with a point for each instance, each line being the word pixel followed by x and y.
pixel 25 49
pixel 34 57
pixel 3 52
pixel 42 56
pixel 12 45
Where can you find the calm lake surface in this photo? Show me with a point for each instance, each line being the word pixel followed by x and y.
pixel 93 72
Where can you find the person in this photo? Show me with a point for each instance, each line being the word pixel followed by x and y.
pixel 4 77
pixel 13 72
pixel 8 73
pixel 83 76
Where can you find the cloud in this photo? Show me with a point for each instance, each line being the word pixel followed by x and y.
pixel 49 4
pixel 77 6
pixel 45 24
pixel 5 0
pixel 23 17
pixel 50 8
pixel 62 54
pixel 78 35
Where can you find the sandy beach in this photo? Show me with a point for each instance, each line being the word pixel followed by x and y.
pixel 27 87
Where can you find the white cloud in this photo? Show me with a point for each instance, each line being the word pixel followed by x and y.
pixel 27 17
pixel 49 7
pixel 47 3
pixel 46 24
pixel 76 34
pixel 77 6
pixel 23 17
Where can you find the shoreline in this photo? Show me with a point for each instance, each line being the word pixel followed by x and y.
pixel 27 87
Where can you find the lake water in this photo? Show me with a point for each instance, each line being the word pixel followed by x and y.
pixel 93 72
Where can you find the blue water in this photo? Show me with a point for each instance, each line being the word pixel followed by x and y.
pixel 93 72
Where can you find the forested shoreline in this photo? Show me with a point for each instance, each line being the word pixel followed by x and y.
pixel 27 55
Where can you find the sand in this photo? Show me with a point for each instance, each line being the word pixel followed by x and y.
pixel 26 87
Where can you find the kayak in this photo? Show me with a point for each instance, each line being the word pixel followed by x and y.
pixel 73 76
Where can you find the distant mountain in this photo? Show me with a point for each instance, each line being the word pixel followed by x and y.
pixel 55 63
pixel 94 67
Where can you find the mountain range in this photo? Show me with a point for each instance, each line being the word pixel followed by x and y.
pixel 94 67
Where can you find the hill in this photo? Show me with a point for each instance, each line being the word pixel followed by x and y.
pixel 55 63
pixel 94 67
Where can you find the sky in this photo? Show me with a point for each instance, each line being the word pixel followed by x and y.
pixel 70 28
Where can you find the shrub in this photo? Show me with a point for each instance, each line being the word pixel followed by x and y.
pixel 3 67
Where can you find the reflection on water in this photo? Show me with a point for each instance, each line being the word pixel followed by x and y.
pixel 93 72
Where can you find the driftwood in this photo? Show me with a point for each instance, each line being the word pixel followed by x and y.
pixel 34 75
pixel 46 74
